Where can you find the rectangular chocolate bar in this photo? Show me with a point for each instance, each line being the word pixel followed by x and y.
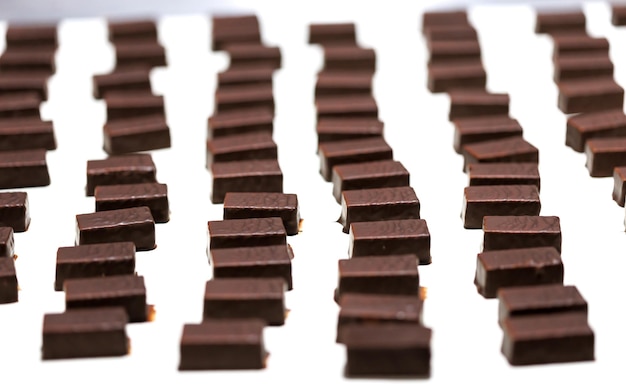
pixel 26 133
pixel 443 18
pixel 478 129
pixel 223 344
pixel 244 97
pixel 131 224
pixel 455 32
pixel 508 232
pixel 247 146
pixel 260 76
pixel 539 299
pixel 94 260
pixel 585 126
pixel 119 170
pixel 14 211
pixel 510 149
pixel 127 291
pixel 341 83
pixel 253 55
pixel 337 129
pixel 80 333
pixel 8 280
pixel 7 242
pixel 517 267
pixel 241 121
pixel 583 95
pixel 227 30
pixel 245 298
pixel 454 51
pixel 35 37
pixel 466 103
pixel 137 134
pixel 491 174
pixel 252 232
pixel 122 80
pixel 619 185
pixel 377 174
pixel 582 67
pixel 127 104
pixel 349 58
pixel 560 22
pixel 351 151
pixel 258 262
pixel 391 237
pixel 19 60
pixel 388 203
pixel 499 200
pixel 444 77
pixel 152 195
pixel 332 34
pixel 566 45
pixel 245 176
pixel 618 15
pixel 37 82
pixel 354 106
pixel 24 104
pixel 132 30
pixel 251 205
pixel 26 168
pixel 604 154
pixel 139 54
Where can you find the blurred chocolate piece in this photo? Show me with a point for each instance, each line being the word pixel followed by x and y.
pixel 234 30
pixel 353 106
pixel 136 134
pixel 259 76
pixel 132 30
pixel 139 54
pixel 444 77
pixel 26 133
pixel 585 126
pixel 582 67
pixel 338 129
pixel 26 168
pixel 245 176
pixel 352 151
pixel 510 149
pixel 619 185
pixel 121 225
pixel 133 104
pixel 332 34
pixel 18 82
pixel 121 81
pixel 14 211
pixel 152 195
pixel 241 121
pixel 251 55
pixel 477 103
pixel 7 242
pixel 8 280
pixel 604 154
pixel 454 51
pixel 33 37
pixel 560 22
pixel 500 200
pixel 384 173
pixel 341 83
pixel 19 60
pixel 120 170
pixel 349 58
pixel 245 146
pixel 539 299
pixel 455 32
pixel 618 14
pixel 584 95
pixel 244 97
pixel 251 205
pixel 509 232
pixel 20 105
pixel 491 174
pixel 250 232
pixel 443 18
pixel 576 44
pixel 473 130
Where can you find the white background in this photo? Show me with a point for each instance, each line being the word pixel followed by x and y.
pixel 303 354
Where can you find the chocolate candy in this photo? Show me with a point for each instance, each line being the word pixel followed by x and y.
pixel 449 18
pixel 618 15
pixel 8 280
pixel 133 104
pixel 122 80
pixel 234 29
pixel 500 200
pixel 477 103
pixel 391 237
pixel 576 43
pixel 333 83
pixel 131 224
pixel 94 260
pixel 541 339
pixel 7 242
pixel 444 77
pixel 619 185
pixel 265 231
pixel 132 30
pixel 251 205
pixel 252 55
pixel 127 291
pixel 18 60
pixel 14 210
pixel 244 97
pixel 390 203
pixel 26 168
pixel 258 262
pixel 245 298
pixel 540 299
pixel 443 52
pixel 455 32
pixel 337 129
pixel 387 350
pixel 508 232
pixel 349 58
pixel 37 82
pixel 474 130
pixel 152 195
pixel 582 67
pixel 358 308
pixel 352 151
pixel 597 94
pixel 245 176
pixel 354 106
pixel 247 146
pixel 119 170
pixel 139 54
pixel 241 121
pixel 136 134
pixel 510 149
pixel 32 37
pixel 328 34
pixel 585 126
pixel 384 173
pixel 604 154
pixel 517 267
pixel 81 333
pixel 261 76
pixel 26 133
pixel 25 104
pixel 491 174
pixel 560 22
pixel 385 275
pixel 223 344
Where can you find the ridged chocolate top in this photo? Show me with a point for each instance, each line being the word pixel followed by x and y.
pixel 371 169
pixel 20 101
pixel 333 149
pixel 250 256
pixel 378 307
pixel 502 193
pixel 242 142
pixel 133 191
pixel 606 144
pixel 137 125
pixel 245 168
pixel 386 336
pixel 596 121
pixel 246 227
pixel 245 289
pixel 113 164
pixel 540 299
pixel 96 253
pixel 378 266
pixel 224 332
pixel 271 201
pixel 114 218
pixel 13 199
pixel 85 320
pixel 389 229
pixel 101 287
pixel 25 158
pixel 380 196
pixel 500 148
pixel 535 257
pixel 522 224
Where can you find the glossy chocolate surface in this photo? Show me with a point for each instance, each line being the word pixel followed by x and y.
pixel 8 280
pixel 244 97
pixel 337 129
pixel 247 146
pixel 131 224
pixel 133 104
pixel 241 121
pixel 137 134
pixel 7 242
pixel 508 232
pixel 540 299
pixel 500 200
pixel 477 103
pixel 351 151
pixel 119 170
pixel 510 149
pixel 342 83
pixel 245 176
pixel 249 232
pixel 582 66
pixel 491 174
pixel 26 168
pixel 14 210
pixel 26 133
pixel 353 106
pixel 377 174
pixel 604 154
pixel 124 80
pixel 585 126
pixel 584 95
pixel 444 77
pixel 152 195
pixel 259 204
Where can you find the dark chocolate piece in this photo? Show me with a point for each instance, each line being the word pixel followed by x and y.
pixel 618 14
pixel 131 224
pixel 443 18
pixel 26 168
pixel 13 82
pixel 34 37
pixel 241 121
pixel 540 299
pixel 541 339
pixel 508 232
pixel 517 267
pixel 252 232
pixel 94 260
pixel 341 83
pixel 358 308
pixel 477 129
pixel 444 77
pixel 124 80
pixel 389 203
pixel 244 97
pixel 257 262
pixel 560 22
pixel 234 29
pixel 445 52
pixel 223 344
pixel 349 58
pixel 128 291
pixel 337 129
pixel 579 44
pixel 492 174
pixel 585 95
pixel 384 173
pixel 24 104
pixel 477 103
pixel 250 205
pixel 500 200
pixel 251 55
pixel 245 176
pixel 353 106
pixel 240 298
pixel 582 67
pixel 585 126
pixel 385 275
pixel 120 170
pixel 260 76
pixel 332 34
pixel 132 30
pixel 82 333
pixel 391 237
pixel 8 280
pixel 351 151
pixel 604 154
pixel 121 105
pixel 14 211
pixel 143 133
pixel 152 195
pixel 248 146
pixel 7 242
pixel 387 350
pixel 619 185
pixel 18 60
pixel 26 133
pixel 455 32
pixel 139 54
pixel 510 149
